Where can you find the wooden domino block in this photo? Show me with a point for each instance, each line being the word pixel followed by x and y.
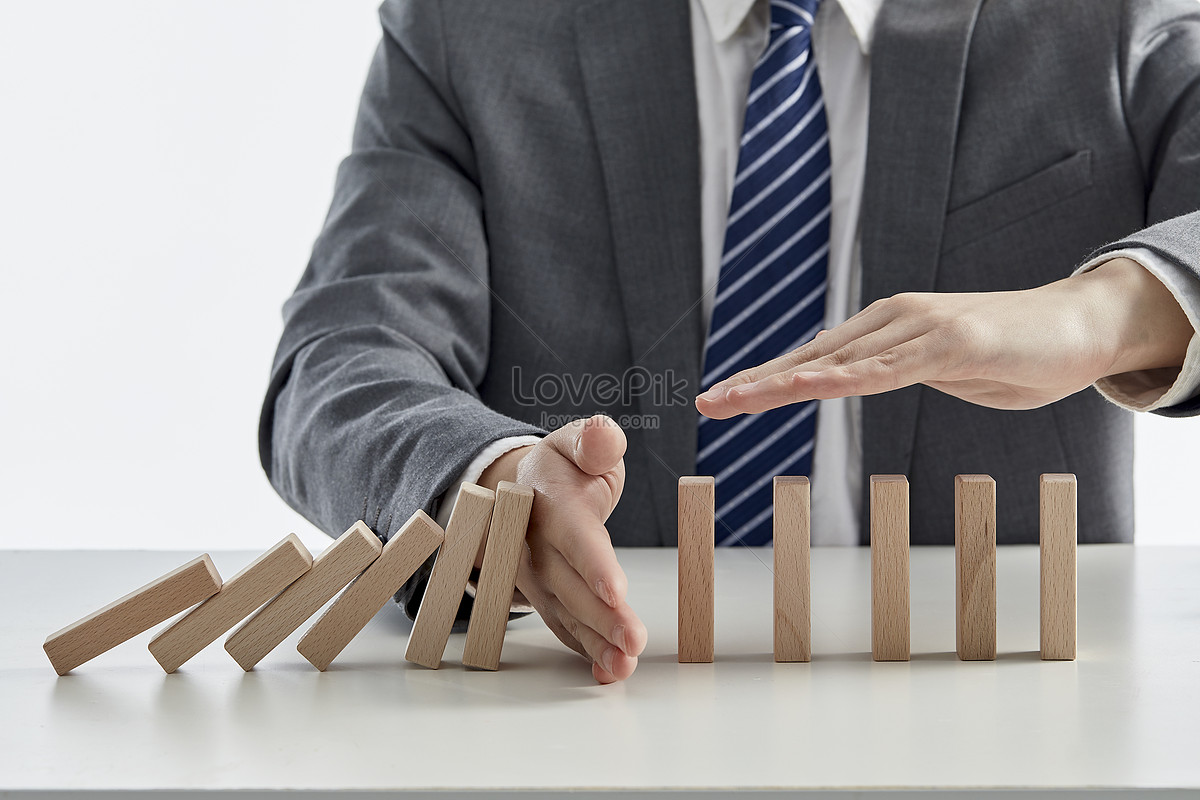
pixel 497 575
pixel 975 567
pixel 265 577
pixel 448 581
pixel 336 566
pixel 697 537
pixel 791 537
pixel 1059 536
pixel 401 556
pixel 132 614
pixel 889 568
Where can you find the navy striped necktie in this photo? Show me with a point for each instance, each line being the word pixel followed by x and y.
pixel 771 288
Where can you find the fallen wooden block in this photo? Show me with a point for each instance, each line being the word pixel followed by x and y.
pixel 497 576
pixel 361 601
pixel 889 568
pixel 975 567
pixel 448 581
pixel 265 577
pixel 337 565
pixel 132 614
pixel 1059 538
pixel 792 539
pixel 697 541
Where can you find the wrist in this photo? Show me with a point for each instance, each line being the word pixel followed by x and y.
pixel 504 468
pixel 1135 318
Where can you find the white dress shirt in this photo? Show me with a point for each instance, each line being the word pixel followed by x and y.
pixel 728 36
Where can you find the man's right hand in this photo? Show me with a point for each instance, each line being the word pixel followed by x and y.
pixel 570 574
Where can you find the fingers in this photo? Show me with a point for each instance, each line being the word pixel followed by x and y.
pixel 609 663
pixel 911 362
pixel 713 403
pixel 588 550
pixel 620 626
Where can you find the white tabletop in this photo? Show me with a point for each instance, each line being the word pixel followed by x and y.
pixel 1125 716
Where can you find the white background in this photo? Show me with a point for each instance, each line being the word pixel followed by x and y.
pixel 164 169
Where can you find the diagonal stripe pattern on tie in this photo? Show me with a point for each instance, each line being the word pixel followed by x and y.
pixel 771 289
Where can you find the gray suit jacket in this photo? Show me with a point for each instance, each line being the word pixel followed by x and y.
pixel 522 199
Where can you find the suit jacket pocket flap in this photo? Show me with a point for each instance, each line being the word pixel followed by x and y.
pixel 1017 201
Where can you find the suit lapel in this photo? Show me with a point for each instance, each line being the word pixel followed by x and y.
pixel 638 75
pixel 918 67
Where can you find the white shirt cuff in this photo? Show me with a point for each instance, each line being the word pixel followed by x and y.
pixel 1146 390
pixel 472 474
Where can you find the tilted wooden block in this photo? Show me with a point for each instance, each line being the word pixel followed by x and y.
pixel 265 577
pixel 448 581
pixel 336 566
pixel 792 539
pixel 1059 537
pixel 975 567
pixel 889 568
pixel 361 601
pixel 497 575
pixel 132 614
pixel 697 539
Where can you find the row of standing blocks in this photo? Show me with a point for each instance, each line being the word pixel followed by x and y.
pixel 974 568
pixel 285 586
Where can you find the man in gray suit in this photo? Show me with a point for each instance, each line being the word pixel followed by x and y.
pixel 530 229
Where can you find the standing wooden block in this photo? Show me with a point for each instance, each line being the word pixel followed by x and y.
pixel 137 611
pixel 337 565
pixel 792 538
pixel 267 576
pixel 448 581
pixel 889 568
pixel 697 540
pixel 361 601
pixel 975 567
pixel 1059 536
pixel 497 576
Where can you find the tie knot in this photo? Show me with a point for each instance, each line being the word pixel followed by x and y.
pixel 793 13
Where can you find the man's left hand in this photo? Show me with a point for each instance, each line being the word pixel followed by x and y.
pixel 1014 350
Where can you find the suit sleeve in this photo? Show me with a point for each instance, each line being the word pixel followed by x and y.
pixel 372 408
pixel 1160 85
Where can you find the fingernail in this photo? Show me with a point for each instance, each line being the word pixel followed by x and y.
pixel 743 389
pixel 606 659
pixel 715 393
pixel 619 638
pixel 605 593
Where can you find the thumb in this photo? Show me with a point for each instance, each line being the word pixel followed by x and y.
pixel 597 444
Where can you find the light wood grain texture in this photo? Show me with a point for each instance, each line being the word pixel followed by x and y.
pixel 448 581
pixel 1059 537
pixel 889 568
pixel 132 614
pixel 697 540
pixel 792 538
pixel 402 555
pixel 336 566
pixel 262 579
pixel 975 567
pixel 497 576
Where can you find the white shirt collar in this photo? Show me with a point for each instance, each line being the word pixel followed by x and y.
pixel 726 16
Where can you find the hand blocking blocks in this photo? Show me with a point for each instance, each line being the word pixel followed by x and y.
pixel 285 586
pixel 974 568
